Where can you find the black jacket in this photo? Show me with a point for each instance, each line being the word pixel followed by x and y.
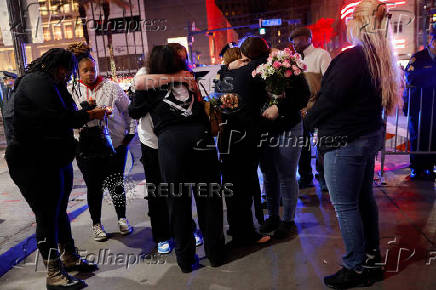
pixel 251 91
pixel 44 115
pixel 297 96
pixel 420 78
pixel 349 105
pixel 165 109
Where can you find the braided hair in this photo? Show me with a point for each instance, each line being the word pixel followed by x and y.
pixel 51 60
pixel 81 51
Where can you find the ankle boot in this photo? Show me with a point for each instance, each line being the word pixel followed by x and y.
pixel 73 262
pixel 58 279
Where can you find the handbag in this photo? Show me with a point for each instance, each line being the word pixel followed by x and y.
pixel 95 142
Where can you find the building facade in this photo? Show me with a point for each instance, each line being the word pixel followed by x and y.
pixel 59 23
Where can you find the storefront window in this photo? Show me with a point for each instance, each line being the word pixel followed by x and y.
pixel 47 34
pixel 79 30
pixel 68 31
pixel 57 32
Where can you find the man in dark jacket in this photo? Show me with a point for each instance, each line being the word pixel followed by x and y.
pixel 7 104
pixel 420 103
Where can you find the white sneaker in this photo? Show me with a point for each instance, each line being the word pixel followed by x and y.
pixel 125 227
pixel 100 234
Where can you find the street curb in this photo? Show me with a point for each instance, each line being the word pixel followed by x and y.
pixel 20 251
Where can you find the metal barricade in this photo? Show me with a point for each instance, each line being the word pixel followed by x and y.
pixel 397 130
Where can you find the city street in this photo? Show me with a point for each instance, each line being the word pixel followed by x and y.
pixel 408 235
pixel 154 83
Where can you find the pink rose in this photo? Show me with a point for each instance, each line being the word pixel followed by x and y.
pixel 277 64
pixel 288 51
pixel 288 73
pixel 253 73
pixel 286 63
pixel 297 72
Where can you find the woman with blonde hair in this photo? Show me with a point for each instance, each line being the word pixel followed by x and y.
pixel 358 85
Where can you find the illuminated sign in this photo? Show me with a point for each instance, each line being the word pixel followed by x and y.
pixel 349 8
pixel 271 22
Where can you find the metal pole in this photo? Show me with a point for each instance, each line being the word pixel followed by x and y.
pixel 17 26
pixel 190 42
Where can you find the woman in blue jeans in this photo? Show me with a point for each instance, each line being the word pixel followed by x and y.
pixel 280 152
pixel 358 85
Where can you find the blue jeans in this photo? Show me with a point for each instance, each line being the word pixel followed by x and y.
pixel 278 162
pixel 349 174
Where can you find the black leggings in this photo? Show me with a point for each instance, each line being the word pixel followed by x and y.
pixel 95 171
pixel 182 161
pixel 157 205
pixel 46 189
pixel 240 160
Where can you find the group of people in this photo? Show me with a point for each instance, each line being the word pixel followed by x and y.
pixel 178 147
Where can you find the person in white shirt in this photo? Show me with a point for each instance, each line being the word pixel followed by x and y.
pixel 317 61
pixel 103 146
pixel 157 205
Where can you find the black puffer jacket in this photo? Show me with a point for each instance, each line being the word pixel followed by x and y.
pixel 44 115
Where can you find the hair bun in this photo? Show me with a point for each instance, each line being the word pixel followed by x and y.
pixel 79 48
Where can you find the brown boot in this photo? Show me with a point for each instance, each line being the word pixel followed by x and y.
pixel 72 261
pixel 58 279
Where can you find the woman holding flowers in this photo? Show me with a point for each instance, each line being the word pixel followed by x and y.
pixel 280 141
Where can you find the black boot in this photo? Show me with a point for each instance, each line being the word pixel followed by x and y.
pixel 285 230
pixel 344 279
pixel 270 225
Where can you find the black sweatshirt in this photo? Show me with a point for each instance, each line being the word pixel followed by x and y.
pixel 44 115
pixel 349 105
pixel 253 96
pixel 165 109
pixel 297 96
pixel 251 92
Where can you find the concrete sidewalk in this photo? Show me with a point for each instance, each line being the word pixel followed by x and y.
pixel 407 225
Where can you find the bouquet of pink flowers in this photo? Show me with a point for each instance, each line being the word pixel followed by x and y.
pixel 279 69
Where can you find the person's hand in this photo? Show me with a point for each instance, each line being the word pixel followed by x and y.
pixel 303 112
pixel 186 77
pixel 238 63
pixel 271 113
pixel 97 113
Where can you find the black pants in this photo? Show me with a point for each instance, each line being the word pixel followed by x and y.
pixel 101 172
pixel 184 158
pixel 240 160
pixel 421 162
pixel 304 165
pixel 320 166
pixel 157 205
pixel 46 189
